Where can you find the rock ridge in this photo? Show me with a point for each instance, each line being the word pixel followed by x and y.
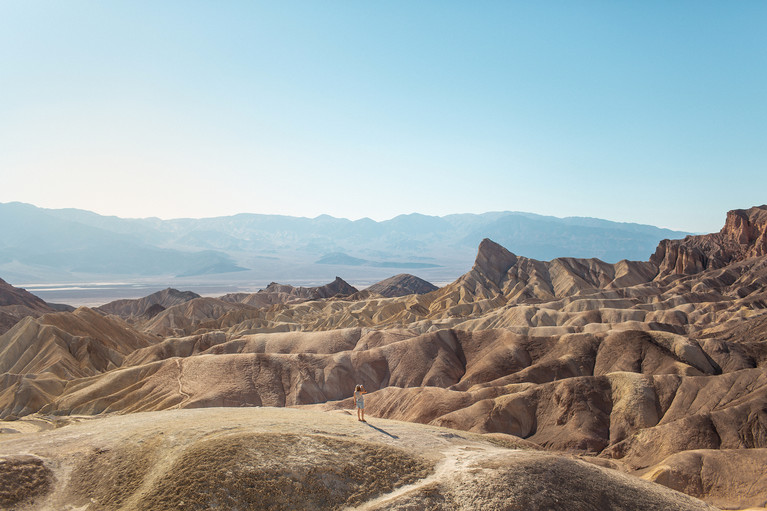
pixel 402 285
pixel 743 236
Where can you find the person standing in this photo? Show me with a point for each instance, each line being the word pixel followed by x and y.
pixel 359 390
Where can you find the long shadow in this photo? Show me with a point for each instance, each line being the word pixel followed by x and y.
pixel 382 431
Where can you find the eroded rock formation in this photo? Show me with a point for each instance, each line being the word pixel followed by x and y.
pixel 656 368
pixel 743 236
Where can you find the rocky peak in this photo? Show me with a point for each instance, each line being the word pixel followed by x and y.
pixel 338 287
pixel 127 308
pixel 748 230
pixel 10 295
pixel 175 293
pixel 743 236
pixel 402 285
pixel 17 303
pixel 493 261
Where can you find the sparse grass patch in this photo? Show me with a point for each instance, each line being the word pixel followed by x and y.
pixel 282 471
pixel 508 441
pixel 22 478
pixel 109 477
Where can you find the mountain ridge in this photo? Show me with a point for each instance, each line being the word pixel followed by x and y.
pixel 402 284
pixel 17 303
pixel 264 247
pixel 127 308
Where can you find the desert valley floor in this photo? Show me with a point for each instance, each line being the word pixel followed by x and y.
pixel 525 384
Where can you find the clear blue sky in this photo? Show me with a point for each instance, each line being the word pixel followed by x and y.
pixel 650 112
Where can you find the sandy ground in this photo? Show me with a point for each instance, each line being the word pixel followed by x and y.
pixel 49 434
pixel 63 443
pixel 283 458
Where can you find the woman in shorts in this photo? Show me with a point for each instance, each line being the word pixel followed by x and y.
pixel 360 400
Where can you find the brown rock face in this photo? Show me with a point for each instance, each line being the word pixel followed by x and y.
pixel 402 285
pixel 10 295
pixel 743 236
pixel 22 477
pixel 135 308
pixel 715 474
pixel 493 261
pixel 16 304
pixel 748 228
pixel 276 293
pixel 339 287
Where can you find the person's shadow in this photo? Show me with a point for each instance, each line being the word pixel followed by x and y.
pixel 382 431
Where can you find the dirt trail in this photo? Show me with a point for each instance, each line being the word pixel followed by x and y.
pixel 456 459
pixel 187 397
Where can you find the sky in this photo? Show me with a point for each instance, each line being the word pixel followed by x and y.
pixel 648 112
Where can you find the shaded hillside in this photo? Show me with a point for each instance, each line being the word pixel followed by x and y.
pixel 188 317
pixel 149 304
pixel 10 296
pixel 38 356
pixel 16 304
pixel 402 285
pixel 276 293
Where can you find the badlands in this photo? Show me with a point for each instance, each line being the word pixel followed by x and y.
pixel 525 384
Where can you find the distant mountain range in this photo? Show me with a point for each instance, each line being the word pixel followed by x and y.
pixel 71 245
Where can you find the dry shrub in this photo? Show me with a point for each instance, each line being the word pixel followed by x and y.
pixel 22 478
pixel 107 478
pixel 507 441
pixel 542 481
pixel 282 471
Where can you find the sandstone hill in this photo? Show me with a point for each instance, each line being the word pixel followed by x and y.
pixel 40 356
pixel 17 303
pixel 402 285
pixel 647 368
pixel 285 459
pixel 10 296
pixel 149 305
pixel 276 293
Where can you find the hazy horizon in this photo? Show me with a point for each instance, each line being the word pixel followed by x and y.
pixel 76 253
pixel 386 219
